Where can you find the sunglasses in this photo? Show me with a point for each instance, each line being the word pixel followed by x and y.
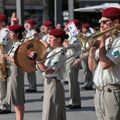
pixel 104 21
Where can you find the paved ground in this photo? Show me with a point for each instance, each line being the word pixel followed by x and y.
pixel 33 106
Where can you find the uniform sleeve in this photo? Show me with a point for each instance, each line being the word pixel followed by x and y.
pixel 114 54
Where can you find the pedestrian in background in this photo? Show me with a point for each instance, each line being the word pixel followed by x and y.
pixel 87 30
pixel 30 27
pixel 4 32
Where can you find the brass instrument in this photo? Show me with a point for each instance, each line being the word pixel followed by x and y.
pixel 3 66
pixel 87 42
pixel 31 44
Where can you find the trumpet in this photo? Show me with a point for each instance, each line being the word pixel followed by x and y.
pixel 87 42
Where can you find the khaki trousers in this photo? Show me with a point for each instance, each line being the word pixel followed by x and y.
pixel 74 89
pixel 107 102
pixel 31 80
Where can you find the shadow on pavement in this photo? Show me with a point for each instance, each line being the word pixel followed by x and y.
pixel 89 108
pixel 33 111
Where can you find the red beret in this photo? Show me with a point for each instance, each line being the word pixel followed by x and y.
pixel 31 21
pixel 85 25
pixel 2 17
pixel 47 23
pixel 57 32
pixel 111 13
pixel 16 28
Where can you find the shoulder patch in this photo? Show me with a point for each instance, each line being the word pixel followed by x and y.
pixel 116 53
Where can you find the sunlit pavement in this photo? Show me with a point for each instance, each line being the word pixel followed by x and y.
pixel 33 105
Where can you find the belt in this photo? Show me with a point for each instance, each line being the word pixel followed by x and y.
pixel 53 78
pixel 109 88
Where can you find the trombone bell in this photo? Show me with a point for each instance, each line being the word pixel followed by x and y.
pixel 87 42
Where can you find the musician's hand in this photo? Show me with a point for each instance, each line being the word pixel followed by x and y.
pixel 76 63
pixel 32 55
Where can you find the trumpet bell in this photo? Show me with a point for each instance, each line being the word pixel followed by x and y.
pixel 21 58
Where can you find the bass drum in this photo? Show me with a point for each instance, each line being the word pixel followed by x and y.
pixel 21 59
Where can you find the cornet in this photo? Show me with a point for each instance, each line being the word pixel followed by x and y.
pixel 87 42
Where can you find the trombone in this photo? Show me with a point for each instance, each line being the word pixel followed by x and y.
pixel 87 42
pixel 33 44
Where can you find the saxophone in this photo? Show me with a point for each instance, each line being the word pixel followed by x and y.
pixel 3 67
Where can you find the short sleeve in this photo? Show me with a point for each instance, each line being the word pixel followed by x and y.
pixel 114 54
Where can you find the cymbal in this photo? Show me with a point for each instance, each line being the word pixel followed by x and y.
pixel 21 57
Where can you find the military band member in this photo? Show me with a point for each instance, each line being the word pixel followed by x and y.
pixel 104 61
pixel 4 31
pixel 15 90
pixel 53 68
pixel 47 26
pixel 86 30
pixel 71 70
pixel 30 27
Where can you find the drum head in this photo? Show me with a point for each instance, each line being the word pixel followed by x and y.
pixel 21 58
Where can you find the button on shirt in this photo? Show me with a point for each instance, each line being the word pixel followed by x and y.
pixel 112 74
pixel 56 62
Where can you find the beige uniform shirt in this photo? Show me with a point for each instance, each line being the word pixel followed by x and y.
pixel 56 62
pixel 112 74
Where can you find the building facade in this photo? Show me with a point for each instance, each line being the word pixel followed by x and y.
pixel 92 17
pixel 32 8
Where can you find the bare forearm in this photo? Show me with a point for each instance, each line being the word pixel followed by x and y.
pixel 91 59
pixel 92 63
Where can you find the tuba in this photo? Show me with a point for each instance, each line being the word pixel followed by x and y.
pixel 87 42
pixel 3 66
